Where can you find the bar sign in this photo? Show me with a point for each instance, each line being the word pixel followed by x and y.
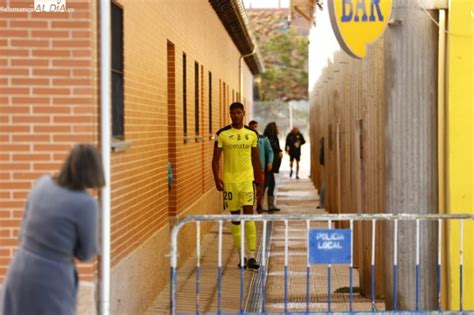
pixel 330 246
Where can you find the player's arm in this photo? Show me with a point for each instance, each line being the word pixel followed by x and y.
pixel 215 167
pixel 257 172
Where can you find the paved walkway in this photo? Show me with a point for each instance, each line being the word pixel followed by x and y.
pixel 294 196
pixel 300 196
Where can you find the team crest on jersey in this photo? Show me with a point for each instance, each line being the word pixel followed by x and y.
pixel 246 137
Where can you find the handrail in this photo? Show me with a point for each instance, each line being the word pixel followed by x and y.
pixel 321 217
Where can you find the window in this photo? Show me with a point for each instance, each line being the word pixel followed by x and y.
pixel 196 98
pixel 224 103
pixel 210 102
pixel 221 122
pixel 185 99
pixel 117 72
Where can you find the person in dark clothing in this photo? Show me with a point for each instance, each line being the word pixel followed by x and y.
pixel 60 223
pixel 266 162
pixel 294 141
pixel 322 193
pixel 271 132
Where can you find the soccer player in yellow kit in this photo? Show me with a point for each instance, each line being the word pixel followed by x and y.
pixel 241 168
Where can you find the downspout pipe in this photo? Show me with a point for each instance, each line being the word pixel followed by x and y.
pixel 442 112
pixel 442 143
pixel 241 71
pixel 105 141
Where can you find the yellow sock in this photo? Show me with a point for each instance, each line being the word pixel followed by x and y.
pixel 251 233
pixel 235 229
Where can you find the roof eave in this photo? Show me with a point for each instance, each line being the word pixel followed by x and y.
pixel 234 18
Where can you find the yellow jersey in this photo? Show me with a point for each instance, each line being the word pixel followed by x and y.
pixel 237 146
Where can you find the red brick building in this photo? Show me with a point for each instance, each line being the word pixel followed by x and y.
pixel 175 70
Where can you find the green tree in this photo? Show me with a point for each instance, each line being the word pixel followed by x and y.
pixel 285 55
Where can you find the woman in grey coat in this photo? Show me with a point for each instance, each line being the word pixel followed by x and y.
pixel 59 224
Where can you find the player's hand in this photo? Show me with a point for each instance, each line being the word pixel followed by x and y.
pixel 269 167
pixel 219 184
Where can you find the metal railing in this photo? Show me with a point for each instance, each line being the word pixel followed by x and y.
pixel 309 218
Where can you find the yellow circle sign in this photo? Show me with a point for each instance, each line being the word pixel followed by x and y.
pixel 357 23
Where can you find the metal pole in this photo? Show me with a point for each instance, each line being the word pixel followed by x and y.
pixel 264 262
pixel 242 264
pixel 461 249
pixel 308 267
pixel 440 231
pixel 286 266
pixel 351 265
pixel 173 266
pixel 219 269
pixel 395 267
pixel 417 271
pixel 329 276
pixel 198 264
pixel 241 72
pixel 372 268
pixel 105 136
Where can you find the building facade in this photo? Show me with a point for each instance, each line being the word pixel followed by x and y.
pixel 176 67
pixel 392 124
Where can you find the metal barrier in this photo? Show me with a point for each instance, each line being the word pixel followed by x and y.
pixel 308 218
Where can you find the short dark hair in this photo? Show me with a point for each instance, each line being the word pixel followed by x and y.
pixel 253 122
pixel 82 168
pixel 236 105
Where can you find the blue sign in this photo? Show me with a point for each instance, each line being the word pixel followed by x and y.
pixel 330 246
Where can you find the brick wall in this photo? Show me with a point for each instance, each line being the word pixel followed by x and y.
pixel 156 36
pixel 48 101
pixel 203 39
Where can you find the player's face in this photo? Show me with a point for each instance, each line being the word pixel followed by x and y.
pixel 237 116
pixel 254 127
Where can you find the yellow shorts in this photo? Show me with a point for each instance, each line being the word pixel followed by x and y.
pixel 237 195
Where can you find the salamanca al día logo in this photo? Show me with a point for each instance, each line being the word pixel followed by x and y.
pixel 50 6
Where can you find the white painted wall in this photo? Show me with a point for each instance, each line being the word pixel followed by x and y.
pixel 322 45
